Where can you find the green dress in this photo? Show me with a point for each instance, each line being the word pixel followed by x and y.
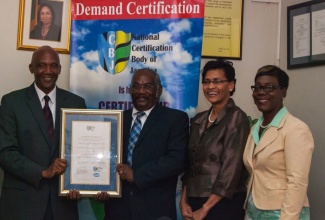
pixel 253 213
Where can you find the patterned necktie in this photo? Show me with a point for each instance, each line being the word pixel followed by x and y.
pixel 134 134
pixel 48 116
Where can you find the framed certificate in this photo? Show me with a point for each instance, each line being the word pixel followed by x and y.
pixel 91 142
pixel 305 34
pixel 223 27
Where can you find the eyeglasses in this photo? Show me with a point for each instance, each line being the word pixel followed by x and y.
pixel 214 81
pixel 268 88
pixel 148 87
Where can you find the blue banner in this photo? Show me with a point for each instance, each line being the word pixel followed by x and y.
pixel 110 40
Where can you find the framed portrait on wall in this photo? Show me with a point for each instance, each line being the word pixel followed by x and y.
pixel 44 22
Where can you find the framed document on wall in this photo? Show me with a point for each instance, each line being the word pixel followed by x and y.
pixel 306 34
pixel 222 34
pixel 91 142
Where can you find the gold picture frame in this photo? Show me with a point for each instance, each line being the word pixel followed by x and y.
pixel 91 143
pixel 31 28
pixel 222 32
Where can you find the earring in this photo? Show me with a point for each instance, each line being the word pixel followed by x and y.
pixel 282 100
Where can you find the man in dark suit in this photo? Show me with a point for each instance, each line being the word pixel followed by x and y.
pixel 159 155
pixel 29 149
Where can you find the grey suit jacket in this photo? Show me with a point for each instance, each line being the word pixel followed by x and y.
pixel 26 149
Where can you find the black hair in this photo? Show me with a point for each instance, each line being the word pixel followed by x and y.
pixel 226 66
pixel 271 70
pixel 42 6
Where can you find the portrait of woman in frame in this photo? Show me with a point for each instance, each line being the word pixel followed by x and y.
pixel 44 22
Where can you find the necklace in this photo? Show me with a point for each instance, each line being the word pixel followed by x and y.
pixel 210 116
pixel 43 32
pixel 263 126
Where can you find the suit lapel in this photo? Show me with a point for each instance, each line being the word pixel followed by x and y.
pixel 250 146
pixel 202 122
pixel 127 121
pixel 269 136
pixel 60 100
pixel 127 125
pixel 267 139
pixel 36 108
pixel 225 111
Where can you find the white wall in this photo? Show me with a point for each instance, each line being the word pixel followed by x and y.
pixel 260 31
pixel 306 101
pixel 14 63
pixel 259 47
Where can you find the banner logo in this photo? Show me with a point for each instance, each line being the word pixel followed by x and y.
pixel 114 49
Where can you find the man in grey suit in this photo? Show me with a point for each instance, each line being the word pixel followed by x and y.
pixel 149 176
pixel 29 151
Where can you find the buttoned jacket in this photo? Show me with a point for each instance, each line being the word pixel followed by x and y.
pixel 26 149
pixel 158 157
pixel 215 153
pixel 279 167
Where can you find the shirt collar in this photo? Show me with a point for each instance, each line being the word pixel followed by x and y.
pixel 135 112
pixel 41 94
pixel 274 123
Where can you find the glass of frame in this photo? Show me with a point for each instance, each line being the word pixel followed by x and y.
pixel 34 18
pixel 306 36
pixel 91 142
pixel 222 32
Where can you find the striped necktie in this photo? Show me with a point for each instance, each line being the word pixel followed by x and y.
pixel 134 134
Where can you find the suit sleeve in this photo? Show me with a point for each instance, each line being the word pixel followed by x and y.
pixel 298 151
pixel 232 167
pixel 81 104
pixel 11 159
pixel 173 161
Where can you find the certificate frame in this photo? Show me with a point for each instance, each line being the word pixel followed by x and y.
pixel 305 35
pixel 91 143
pixel 27 21
pixel 223 28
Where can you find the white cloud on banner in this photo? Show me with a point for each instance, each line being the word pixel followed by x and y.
pixel 80 34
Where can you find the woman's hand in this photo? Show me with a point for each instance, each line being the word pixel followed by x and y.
pixel 186 209
pixel 203 212
pixel 200 214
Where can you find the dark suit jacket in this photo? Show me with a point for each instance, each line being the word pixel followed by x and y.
pixel 26 149
pixel 158 157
